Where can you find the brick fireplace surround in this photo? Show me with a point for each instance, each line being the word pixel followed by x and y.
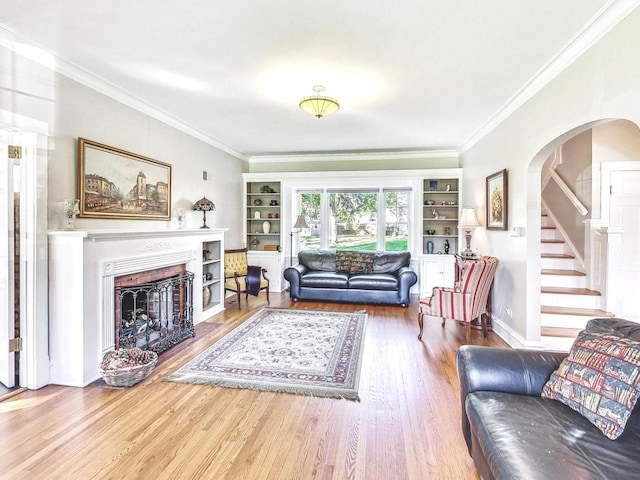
pixel 83 266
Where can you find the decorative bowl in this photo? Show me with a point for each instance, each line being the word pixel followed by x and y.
pixel 139 365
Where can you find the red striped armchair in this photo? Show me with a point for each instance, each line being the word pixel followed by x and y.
pixel 467 301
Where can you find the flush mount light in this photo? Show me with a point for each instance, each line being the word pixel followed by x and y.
pixel 319 105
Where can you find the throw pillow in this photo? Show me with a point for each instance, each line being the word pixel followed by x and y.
pixel 599 379
pixel 361 262
pixel 343 261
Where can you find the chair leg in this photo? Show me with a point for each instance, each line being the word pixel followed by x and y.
pixel 444 320
pixel 420 324
pixel 268 296
pixel 484 321
pixel 468 332
pixel 238 297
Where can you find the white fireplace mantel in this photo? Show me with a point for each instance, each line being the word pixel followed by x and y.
pixel 82 269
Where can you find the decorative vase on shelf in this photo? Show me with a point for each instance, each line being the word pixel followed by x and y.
pixel 206 296
pixel 71 209
pixel 266 227
pixel 429 247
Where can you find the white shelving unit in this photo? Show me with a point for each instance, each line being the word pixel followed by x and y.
pixel 440 235
pixel 263 203
pixel 212 276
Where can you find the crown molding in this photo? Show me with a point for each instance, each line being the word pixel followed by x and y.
pixel 612 13
pixel 354 156
pixel 13 41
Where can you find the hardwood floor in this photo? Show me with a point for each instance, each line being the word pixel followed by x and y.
pixel 406 426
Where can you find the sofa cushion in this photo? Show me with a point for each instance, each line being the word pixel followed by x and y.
pixel 373 281
pixel 343 261
pixel 362 262
pixel 534 438
pixel 390 262
pixel 325 280
pixel 599 379
pixel 323 260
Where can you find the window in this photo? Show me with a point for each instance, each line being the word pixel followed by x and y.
pixel 363 219
pixel 310 206
pixel 396 234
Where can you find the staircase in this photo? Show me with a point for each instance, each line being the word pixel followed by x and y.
pixel 565 304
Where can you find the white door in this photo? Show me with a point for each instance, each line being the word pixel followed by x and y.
pixel 7 360
pixel 624 216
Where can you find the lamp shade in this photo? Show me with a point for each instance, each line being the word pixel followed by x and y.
pixel 301 223
pixel 468 218
pixel 204 205
pixel 319 105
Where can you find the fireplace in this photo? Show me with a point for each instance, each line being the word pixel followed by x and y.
pixel 88 262
pixel 154 309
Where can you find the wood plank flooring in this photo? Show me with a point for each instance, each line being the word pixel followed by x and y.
pixel 406 426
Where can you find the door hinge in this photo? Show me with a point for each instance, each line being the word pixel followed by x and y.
pixel 15 345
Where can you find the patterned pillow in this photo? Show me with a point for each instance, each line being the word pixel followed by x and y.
pixel 362 262
pixel 599 379
pixel 343 261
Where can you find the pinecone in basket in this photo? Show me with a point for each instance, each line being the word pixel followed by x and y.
pixel 125 358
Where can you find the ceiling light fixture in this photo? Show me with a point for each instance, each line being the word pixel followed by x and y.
pixel 319 105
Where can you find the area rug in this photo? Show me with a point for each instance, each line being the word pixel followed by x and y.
pixel 306 352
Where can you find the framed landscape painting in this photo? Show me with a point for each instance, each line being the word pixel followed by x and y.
pixel 497 190
pixel 114 183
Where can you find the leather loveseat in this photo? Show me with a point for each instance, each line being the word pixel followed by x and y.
pixel 369 277
pixel 513 433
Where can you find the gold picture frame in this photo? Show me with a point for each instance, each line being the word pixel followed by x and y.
pixel 497 201
pixel 114 183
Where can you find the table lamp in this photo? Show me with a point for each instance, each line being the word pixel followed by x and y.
pixel 468 221
pixel 204 205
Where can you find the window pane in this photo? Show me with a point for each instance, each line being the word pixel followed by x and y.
pixel 310 209
pixel 396 236
pixel 353 222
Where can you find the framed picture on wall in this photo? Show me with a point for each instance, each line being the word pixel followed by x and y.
pixel 497 198
pixel 114 183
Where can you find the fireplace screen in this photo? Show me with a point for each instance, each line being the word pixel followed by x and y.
pixel 155 315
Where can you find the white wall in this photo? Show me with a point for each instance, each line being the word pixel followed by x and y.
pixel 31 94
pixel 73 110
pixel 602 84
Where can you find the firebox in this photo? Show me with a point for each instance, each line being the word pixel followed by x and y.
pixel 154 309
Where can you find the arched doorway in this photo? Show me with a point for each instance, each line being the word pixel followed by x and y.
pixel 608 143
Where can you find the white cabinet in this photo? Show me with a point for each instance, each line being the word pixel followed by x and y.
pixel 273 262
pixel 436 271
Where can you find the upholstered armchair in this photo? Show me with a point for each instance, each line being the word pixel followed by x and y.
pixel 239 277
pixel 465 302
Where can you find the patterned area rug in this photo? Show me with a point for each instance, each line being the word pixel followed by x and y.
pixel 307 352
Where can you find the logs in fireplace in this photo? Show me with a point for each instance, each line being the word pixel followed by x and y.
pixel 154 310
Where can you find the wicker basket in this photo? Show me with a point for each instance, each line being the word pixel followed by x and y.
pixel 126 377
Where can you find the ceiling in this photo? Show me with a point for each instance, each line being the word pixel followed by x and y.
pixel 409 75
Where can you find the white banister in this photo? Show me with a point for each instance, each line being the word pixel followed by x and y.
pixel 575 201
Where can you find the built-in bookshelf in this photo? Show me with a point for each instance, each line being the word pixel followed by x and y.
pixel 263 216
pixel 440 208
